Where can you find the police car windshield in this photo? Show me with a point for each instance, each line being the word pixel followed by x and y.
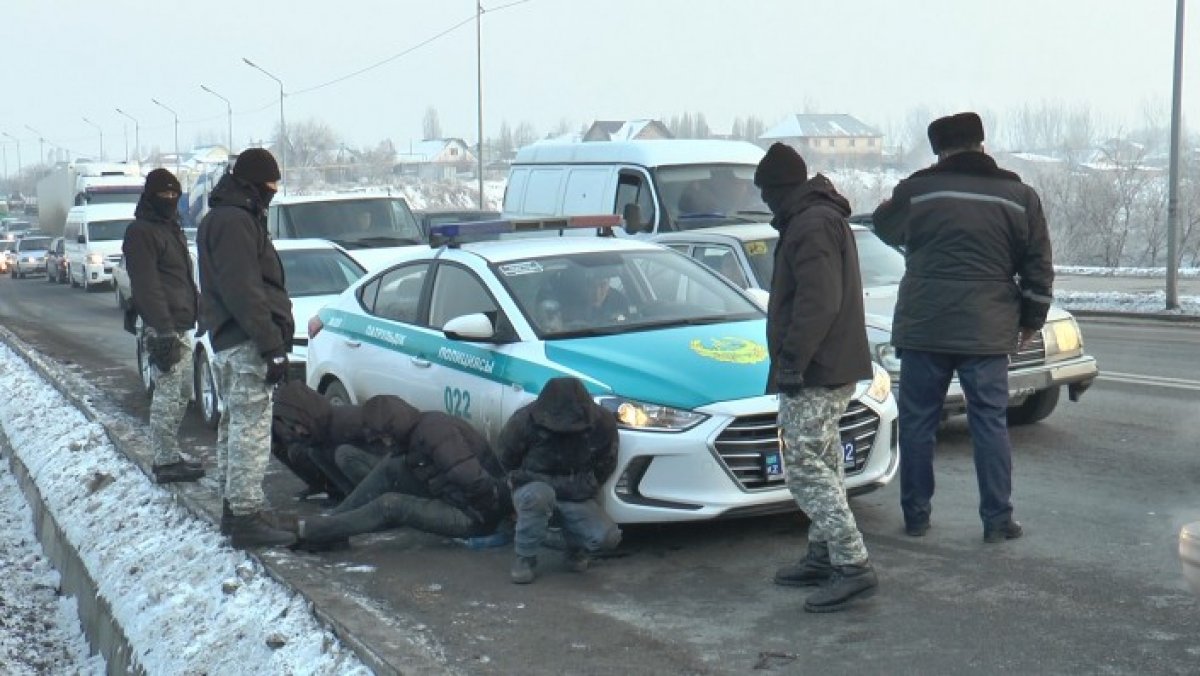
pixel 605 293
pixel 702 195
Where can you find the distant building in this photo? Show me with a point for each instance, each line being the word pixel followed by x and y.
pixel 828 140
pixel 627 130
pixel 435 159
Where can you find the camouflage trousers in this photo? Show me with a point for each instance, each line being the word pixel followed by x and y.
pixel 812 453
pixel 168 404
pixel 244 434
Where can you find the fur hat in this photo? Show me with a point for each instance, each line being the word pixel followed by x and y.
pixel 256 166
pixel 161 180
pixel 563 406
pixel 782 165
pixel 955 131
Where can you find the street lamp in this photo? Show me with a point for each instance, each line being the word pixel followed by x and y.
pixel 176 116
pixel 228 112
pixel 18 142
pixel 101 131
pixel 136 136
pixel 479 91
pixel 282 128
pixel 41 144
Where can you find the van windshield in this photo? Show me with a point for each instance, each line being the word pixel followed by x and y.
pixel 107 231
pixel 113 197
pixel 353 223
pixel 702 195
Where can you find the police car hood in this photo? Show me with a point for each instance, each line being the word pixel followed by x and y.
pixel 683 367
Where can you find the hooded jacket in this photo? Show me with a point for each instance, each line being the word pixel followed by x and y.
pixel 160 271
pixel 456 466
pixel 243 296
pixel 563 439
pixel 815 321
pixel 977 255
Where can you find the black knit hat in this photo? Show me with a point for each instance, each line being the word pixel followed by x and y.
pixel 782 165
pixel 955 131
pixel 161 180
pixel 256 166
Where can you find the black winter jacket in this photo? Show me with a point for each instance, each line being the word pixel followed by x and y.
pixel 457 466
pixel 299 414
pixel 563 439
pixel 977 254
pixel 815 321
pixel 243 296
pixel 160 271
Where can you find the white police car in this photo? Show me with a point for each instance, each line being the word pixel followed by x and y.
pixel 677 352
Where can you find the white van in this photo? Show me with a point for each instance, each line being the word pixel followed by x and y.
pixel 92 237
pixel 672 184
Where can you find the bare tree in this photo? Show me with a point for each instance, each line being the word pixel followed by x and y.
pixel 524 135
pixel 430 126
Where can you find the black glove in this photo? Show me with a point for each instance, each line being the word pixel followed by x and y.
pixel 277 366
pixel 789 381
pixel 163 351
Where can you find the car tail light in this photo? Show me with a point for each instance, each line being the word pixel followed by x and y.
pixel 314 326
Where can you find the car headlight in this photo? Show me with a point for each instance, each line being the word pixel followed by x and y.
pixel 95 259
pixel 1062 336
pixel 885 355
pixel 638 415
pixel 881 385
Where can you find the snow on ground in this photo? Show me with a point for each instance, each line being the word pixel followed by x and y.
pixel 1133 303
pixel 39 630
pixel 188 603
pixel 1092 271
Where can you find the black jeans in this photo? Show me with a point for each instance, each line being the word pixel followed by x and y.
pixel 390 497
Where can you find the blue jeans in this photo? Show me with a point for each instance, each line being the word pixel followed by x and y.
pixel 586 526
pixel 924 379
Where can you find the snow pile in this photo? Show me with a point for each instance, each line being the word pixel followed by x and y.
pixel 1152 302
pixel 1092 271
pixel 186 601
pixel 39 630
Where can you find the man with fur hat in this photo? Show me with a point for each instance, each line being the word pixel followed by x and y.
pixel 248 315
pixel 559 450
pixel 979 281
pixel 440 477
pixel 165 297
pixel 817 340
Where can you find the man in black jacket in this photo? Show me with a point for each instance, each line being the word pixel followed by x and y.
pixel 165 297
pixel 248 314
pixel 978 282
pixel 817 339
pixel 307 431
pixel 440 477
pixel 558 451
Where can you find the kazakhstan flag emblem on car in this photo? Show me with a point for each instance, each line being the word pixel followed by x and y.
pixel 730 350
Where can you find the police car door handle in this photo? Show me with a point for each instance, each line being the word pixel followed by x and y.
pixel 353 343
pixel 420 363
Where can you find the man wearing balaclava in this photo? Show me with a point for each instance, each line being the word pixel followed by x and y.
pixel 165 297
pixel 978 282
pixel 248 315
pixel 817 340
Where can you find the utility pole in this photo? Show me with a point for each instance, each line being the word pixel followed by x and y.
pixel 137 141
pixel 282 127
pixel 479 90
pixel 101 132
pixel 176 116
pixel 1172 291
pixel 228 114
pixel 41 144
pixel 18 142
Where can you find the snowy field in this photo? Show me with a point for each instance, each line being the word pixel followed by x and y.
pixel 188 603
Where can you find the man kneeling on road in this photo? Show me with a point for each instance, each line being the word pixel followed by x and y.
pixel 558 451
pixel 441 477
pixel 165 297
pixel 306 432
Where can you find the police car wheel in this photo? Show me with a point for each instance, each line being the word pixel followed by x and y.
pixel 337 395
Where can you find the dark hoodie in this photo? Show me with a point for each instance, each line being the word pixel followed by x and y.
pixel 160 270
pixel 243 296
pixel 564 439
pixel 456 466
pixel 815 322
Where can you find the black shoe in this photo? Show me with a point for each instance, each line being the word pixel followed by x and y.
pixel 916 530
pixel 180 470
pixel 256 530
pixel 578 560
pixel 846 584
pixel 523 569
pixel 1009 530
pixel 814 569
pixel 313 545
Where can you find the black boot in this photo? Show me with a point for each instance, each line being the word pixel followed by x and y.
pixel 846 584
pixel 255 530
pixel 523 569
pixel 578 560
pixel 180 470
pixel 814 569
pixel 1009 530
pixel 314 541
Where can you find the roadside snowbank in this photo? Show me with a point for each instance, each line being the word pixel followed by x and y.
pixel 187 602
pixel 1132 303
pixel 1093 271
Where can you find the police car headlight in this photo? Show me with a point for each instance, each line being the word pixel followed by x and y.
pixel 885 355
pixel 881 385
pixel 639 415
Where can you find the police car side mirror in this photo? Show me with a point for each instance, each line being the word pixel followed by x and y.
pixel 474 327
pixel 760 297
pixel 632 213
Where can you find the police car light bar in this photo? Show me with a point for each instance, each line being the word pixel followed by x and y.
pixel 450 231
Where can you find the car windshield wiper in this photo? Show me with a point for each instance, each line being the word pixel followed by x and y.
pixel 389 239
pixel 593 332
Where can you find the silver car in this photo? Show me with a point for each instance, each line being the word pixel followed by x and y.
pixel 29 256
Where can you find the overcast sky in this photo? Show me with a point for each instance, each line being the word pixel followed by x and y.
pixel 546 61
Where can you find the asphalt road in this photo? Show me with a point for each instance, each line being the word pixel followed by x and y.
pixel 1102 487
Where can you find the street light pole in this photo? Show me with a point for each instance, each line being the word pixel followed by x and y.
pixel 228 113
pixel 101 132
pixel 176 116
pixel 136 136
pixel 479 91
pixel 41 144
pixel 1172 291
pixel 282 126
pixel 18 142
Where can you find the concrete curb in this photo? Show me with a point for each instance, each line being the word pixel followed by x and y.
pixel 401 657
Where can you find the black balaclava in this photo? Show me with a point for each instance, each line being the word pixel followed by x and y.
pixel 257 167
pixel 161 180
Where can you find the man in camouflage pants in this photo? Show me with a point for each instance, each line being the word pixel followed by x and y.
pixel 817 339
